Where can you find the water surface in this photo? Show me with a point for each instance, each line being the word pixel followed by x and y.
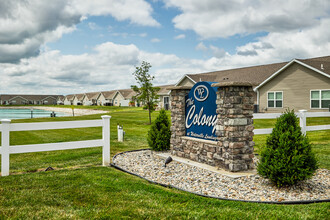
pixel 19 113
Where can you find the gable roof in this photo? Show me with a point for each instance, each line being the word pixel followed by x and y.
pixel 321 67
pixel 69 97
pixel 163 90
pixel 109 94
pixel 92 95
pixel 127 93
pixel 60 98
pixel 80 97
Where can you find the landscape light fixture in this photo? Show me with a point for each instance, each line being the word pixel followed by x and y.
pixel 168 160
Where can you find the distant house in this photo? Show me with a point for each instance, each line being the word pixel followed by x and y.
pixel 60 100
pixel 298 84
pixel 68 100
pixel 78 99
pixel 106 98
pixel 164 97
pixel 13 99
pixel 124 97
pixel 90 98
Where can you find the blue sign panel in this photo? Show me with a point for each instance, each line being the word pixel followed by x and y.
pixel 201 117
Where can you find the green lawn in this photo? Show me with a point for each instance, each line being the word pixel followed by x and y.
pixel 80 187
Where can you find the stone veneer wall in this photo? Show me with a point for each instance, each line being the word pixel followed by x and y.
pixel 234 149
pixel 235 126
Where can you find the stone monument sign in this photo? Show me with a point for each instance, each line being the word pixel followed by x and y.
pixel 212 124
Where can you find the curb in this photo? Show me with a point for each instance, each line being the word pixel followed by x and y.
pixel 213 197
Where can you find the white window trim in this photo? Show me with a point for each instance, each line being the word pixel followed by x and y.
pixel 320 98
pixel 275 99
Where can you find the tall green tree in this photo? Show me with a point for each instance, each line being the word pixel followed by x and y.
pixel 146 93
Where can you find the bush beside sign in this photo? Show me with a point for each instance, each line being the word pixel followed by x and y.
pixel 200 111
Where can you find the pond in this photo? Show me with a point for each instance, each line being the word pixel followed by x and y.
pixel 20 113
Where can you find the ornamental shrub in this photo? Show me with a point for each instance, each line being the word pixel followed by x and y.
pixel 159 134
pixel 287 157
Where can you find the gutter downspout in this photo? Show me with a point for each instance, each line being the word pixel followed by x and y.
pixel 258 97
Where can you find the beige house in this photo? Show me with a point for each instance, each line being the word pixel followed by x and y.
pixel 68 100
pixel 123 97
pixel 298 84
pixel 90 98
pixel 164 97
pixel 78 99
pixel 106 98
pixel 60 100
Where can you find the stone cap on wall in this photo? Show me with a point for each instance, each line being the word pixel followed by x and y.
pixel 178 87
pixel 232 83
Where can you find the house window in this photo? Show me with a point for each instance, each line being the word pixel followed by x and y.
pixel 275 99
pixel 320 98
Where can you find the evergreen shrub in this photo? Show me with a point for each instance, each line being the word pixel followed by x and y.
pixel 287 157
pixel 159 134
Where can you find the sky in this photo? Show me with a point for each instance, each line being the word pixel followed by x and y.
pixel 73 46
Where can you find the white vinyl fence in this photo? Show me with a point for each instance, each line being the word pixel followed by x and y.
pixel 6 149
pixel 302 114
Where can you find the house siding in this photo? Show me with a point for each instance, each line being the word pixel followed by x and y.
pixel 295 82
pixel 18 101
pixel 186 82
pixel 49 101
pixel 116 100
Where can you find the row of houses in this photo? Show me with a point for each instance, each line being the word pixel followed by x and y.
pixel 19 99
pixel 122 97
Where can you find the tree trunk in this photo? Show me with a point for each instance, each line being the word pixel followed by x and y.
pixel 149 115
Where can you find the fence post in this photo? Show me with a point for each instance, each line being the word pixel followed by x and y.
pixel 106 140
pixel 5 147
pixel 302 119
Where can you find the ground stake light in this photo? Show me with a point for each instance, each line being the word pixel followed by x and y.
pixel 167 161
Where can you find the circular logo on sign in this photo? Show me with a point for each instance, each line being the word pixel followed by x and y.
pixel 201 93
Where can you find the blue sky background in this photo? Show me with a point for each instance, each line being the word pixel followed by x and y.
pixel 71 46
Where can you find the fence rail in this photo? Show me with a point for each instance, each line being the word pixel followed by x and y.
pixel 6 149
pixel 302 114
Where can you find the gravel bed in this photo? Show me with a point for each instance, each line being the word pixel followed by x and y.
pixel 193 179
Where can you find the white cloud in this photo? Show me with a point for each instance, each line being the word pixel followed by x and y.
pixel 215 51
pixel 155 40
pixel 180 36
pixel 201 47
pixel 214 18
pixel 143 34
pixel 93 26
pixel 136 11
pixel 27 25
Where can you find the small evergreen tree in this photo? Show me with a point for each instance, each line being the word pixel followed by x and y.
pixel 287 157
pixel 159 134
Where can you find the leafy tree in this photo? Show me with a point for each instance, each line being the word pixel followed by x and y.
pixel 287 157
pixel 159 134
pixel 146 93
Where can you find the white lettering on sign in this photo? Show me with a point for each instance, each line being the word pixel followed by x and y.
pixel 200 96
pixel 200 118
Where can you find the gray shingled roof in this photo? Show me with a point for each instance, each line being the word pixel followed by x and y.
pixel 163 89
pixel 257 74
pixel 5 97
pixel 92 95
pixel 109 94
